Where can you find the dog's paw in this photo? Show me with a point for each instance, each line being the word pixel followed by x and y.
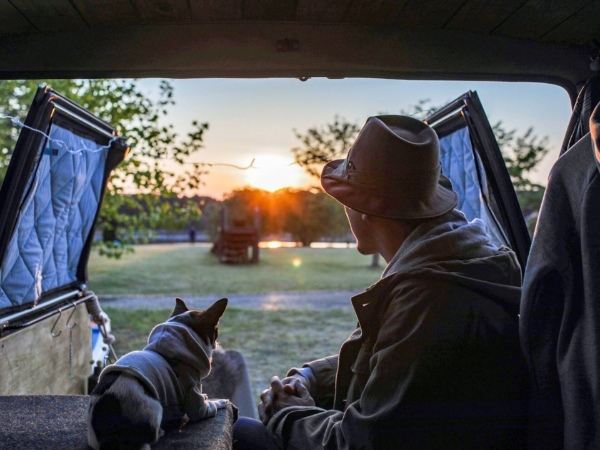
pixel 215 405
pixel 220 404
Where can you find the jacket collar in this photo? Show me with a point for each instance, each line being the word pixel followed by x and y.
pixel 367 304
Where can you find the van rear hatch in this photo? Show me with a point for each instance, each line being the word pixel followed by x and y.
pixel 49 205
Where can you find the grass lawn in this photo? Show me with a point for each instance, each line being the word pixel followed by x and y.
pixel 271 341
pixel 191 269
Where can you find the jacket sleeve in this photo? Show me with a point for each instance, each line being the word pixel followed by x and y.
pixel 409 350
pixel 321 376
pixel 197 406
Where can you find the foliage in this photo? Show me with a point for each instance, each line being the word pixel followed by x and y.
pixel 248 207
pixel 323 144
pixel 307 215
pixel 140 119
pixel 421 110
pixel 521 153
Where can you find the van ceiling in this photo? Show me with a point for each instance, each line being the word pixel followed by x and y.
pixel 536 40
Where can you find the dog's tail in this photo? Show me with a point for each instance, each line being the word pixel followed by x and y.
pixel 122 421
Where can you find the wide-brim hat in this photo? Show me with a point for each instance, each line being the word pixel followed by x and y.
pixel 392 170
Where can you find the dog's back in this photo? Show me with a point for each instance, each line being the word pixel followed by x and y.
pixel 122 414
pixel 158 385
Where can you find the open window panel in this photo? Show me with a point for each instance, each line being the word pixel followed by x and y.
pixel 49 204
pixel 472 160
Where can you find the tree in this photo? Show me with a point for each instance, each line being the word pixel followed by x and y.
pixel 242 206
pixel 309 215
pixel 140 119
pixel 521 153
pixel 323 144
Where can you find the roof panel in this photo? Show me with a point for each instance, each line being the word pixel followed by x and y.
pixel 483 16
pixel 269 9
pixel 215 10
pixel 12 21
pixel 538 17
pixel 50 15
pixel 248 49
pixel 429 15
pixel 99 13
pixel 581 28
pixel 320 11
pixel 427 39
pixel 164 10
pixel 374 12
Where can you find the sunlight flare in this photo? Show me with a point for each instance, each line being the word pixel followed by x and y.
pixel 273 172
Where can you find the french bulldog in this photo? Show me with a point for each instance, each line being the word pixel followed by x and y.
pixel 147 392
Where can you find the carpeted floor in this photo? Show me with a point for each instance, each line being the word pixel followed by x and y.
pixel 57 422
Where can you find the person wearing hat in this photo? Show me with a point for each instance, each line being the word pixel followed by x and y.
pixel 435 361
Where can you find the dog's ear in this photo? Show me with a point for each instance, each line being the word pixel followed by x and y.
pixel 180 307
pixel 216 311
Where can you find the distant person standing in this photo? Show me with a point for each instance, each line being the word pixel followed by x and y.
pixel 193 236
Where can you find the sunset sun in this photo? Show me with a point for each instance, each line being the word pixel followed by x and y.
pixel 272 172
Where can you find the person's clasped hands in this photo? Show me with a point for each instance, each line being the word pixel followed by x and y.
pixel 291 391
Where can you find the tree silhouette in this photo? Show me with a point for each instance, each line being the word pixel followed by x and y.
pixel 521 152
pixel 153 140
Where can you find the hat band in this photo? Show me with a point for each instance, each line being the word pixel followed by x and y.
pixel 380 180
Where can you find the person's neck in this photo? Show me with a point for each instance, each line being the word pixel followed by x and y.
pixel 391 235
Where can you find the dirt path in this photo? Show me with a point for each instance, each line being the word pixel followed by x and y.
pixel 269 301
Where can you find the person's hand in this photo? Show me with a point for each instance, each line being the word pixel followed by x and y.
pixel 287 392
pixel 268 396
pixel 293 394
pixel 263 414
pixel 286 385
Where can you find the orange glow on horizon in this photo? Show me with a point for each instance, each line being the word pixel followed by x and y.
pixel 272 172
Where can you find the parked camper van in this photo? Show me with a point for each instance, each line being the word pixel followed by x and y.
pixel 45 306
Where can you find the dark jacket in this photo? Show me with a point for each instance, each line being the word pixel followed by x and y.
pixel 435 361
pixel 560 311
pixel 171 367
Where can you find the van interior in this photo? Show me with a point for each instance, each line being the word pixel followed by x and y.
pixel 540 41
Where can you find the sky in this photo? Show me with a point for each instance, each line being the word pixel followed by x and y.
pixel 256 118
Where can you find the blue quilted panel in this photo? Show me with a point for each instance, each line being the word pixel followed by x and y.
pixel 463 167
pixel 55 219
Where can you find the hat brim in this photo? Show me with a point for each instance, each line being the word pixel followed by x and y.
pixel 389 203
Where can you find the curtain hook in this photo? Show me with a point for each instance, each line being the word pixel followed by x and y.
pixel 70 316
pixel 55 323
